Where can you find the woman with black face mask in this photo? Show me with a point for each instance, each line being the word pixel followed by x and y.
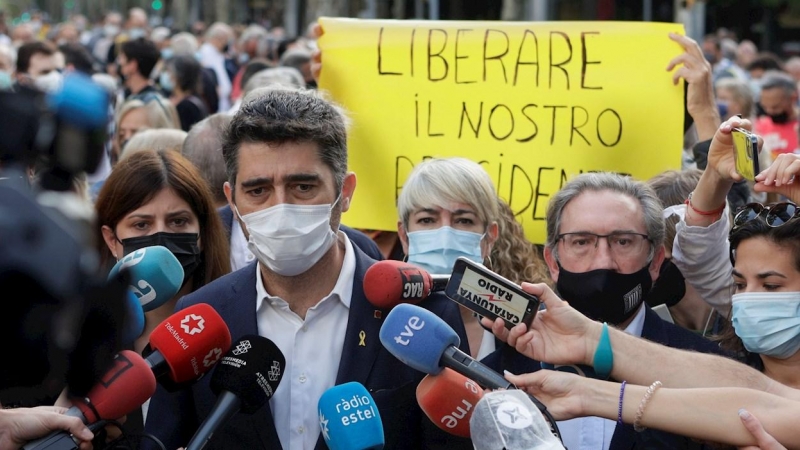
pixel 159 198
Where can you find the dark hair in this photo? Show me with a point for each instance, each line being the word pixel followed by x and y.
pixel 138 178
pixel 784 236
pixel 765 61
pixel 144 52
pixel 77 56
pixel 26 52
pixel 282 115
pixel 252 68
pixel 187 72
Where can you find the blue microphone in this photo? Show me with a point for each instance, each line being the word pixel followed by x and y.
pixel 349 418
pixel 423 341
pixel 156 275
pixel 133 325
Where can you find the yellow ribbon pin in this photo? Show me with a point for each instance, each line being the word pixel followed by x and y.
pixel 362 335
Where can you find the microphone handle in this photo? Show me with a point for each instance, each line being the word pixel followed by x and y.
pixel 228 404
pixel 439 282
pixel 464 364
pixel 57 440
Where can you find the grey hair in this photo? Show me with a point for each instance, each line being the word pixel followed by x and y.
pixel 203 147
pixel 607 181
pixel 10 53
pixel 442 181
pixel 253 32
pixel 741 91
pixel 296 58
pixel 183 43
pixel 219 29
pixel 777 79
pixel 283 76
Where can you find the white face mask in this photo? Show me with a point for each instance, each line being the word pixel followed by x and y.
pixel 49 83
pixel 290 239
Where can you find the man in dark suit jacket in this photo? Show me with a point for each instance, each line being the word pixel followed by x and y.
pixel 286 158
pixel 604 250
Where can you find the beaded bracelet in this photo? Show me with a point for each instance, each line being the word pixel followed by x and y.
pixel 646 399
pixel 621 396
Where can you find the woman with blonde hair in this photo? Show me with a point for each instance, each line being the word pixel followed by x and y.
pixel 137 115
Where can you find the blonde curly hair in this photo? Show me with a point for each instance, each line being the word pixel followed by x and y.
pixel 513 256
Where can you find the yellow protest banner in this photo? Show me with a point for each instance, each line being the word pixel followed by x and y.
pixel 535 103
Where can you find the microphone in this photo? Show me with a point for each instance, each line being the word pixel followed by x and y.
pixel 156 275
pixel 187 344
pixel 449 399
pixel 245 379
pixel 425 342
pixel 509 420
pixel 133 324
pixel 124 387
pixel 349 418
pixel 388 283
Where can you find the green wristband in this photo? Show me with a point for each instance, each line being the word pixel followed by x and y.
pixel 603 356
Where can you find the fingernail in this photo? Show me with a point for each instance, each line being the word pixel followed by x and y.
pixel 744 414
pixel 86 434
pixel 507 373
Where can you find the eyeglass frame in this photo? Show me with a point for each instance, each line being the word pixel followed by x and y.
pixel 560 237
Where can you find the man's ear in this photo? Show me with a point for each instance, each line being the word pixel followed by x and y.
pixel 552 264
pixel 348 188
pixel 655 264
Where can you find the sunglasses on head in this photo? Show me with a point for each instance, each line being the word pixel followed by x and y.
pixel 774 215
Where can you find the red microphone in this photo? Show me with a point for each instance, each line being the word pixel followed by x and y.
pixel 188 343
pixel 388 283
pixel 448 399
pixel 124 387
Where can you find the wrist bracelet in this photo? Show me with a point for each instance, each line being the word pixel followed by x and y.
pixel 621 397
pixel 603 360
pixel 645 400
pixel 715 212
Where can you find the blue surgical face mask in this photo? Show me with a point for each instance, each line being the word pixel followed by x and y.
pixel 768 323
pixel 436 250
pixel 166 82
pixel 5 80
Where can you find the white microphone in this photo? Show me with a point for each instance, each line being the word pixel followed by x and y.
pixel 508 420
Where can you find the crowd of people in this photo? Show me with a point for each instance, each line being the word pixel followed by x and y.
pixel 677 297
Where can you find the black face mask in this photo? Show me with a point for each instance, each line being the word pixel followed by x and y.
pixel 669 288
pixel 182 245
pixel 779 118
pixel 604 295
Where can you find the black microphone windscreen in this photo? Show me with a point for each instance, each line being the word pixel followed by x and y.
pixel 251 370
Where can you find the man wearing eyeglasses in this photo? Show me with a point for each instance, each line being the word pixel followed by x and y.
pixel 604 250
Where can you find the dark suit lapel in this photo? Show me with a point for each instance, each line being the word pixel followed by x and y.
pixel 241 317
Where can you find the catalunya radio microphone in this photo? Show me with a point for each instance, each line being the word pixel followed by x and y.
pixel 187 344
pixel 509 420
pixel 156 275
pixel 349 418
pixel 425 342
pixel 449 399
pixel 244 380
pixel 388 283
pixel 124 387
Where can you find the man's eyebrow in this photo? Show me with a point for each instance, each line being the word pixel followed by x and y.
pixel 259 181
pixel 298 177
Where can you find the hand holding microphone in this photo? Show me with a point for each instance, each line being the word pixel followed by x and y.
pixel 349 418
pixel 123 388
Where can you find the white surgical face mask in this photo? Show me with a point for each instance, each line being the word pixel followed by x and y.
pixel 49 82
pixel 290 239
pixel 768 323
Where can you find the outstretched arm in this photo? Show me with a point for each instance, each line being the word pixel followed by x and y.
pixel 18 426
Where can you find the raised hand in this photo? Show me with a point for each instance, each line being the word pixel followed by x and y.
pixel 779 177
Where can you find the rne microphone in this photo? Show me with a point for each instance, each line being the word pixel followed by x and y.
pixel 244 380
pixel 449 399
pixel 349 418
pixel 509 420
pixel 389 283
pixel 425 342
pixel 124 387
pixel 187 344
pixel 156 275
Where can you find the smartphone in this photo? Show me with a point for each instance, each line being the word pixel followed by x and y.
pixel 745 145
pixel 489 294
